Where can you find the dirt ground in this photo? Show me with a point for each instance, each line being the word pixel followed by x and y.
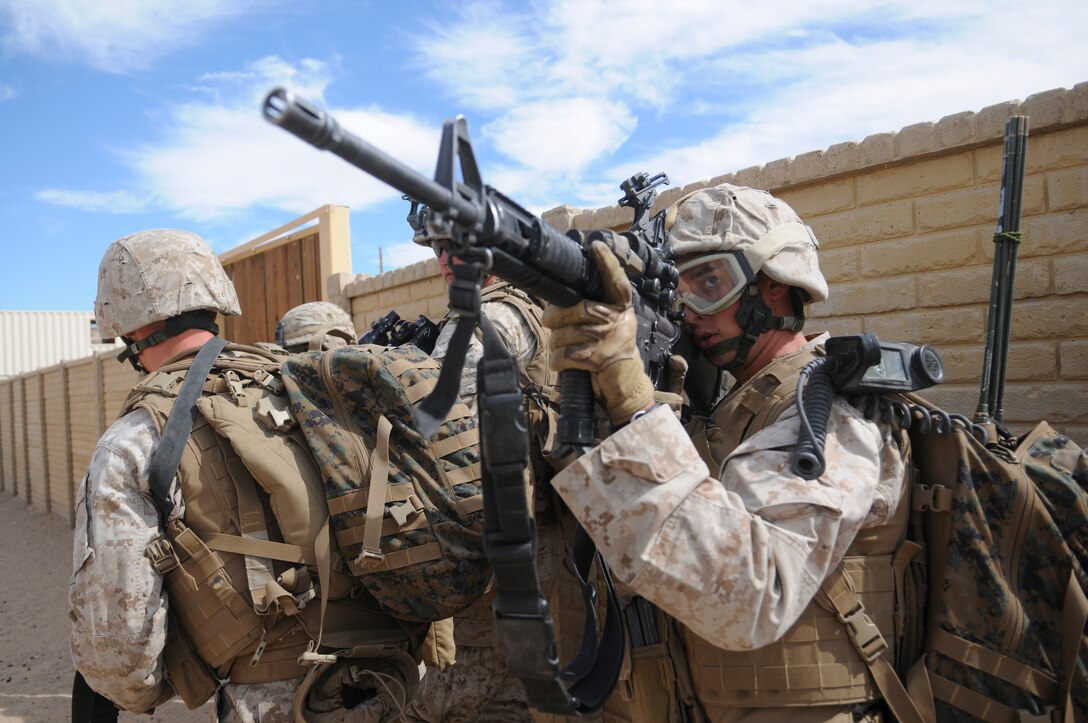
pixel 35 665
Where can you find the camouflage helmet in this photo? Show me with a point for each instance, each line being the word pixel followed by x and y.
pixel 316 318
pixel 157 275
pixel 769 233
pixel 417 219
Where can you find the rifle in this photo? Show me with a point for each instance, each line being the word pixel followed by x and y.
pixel 491 233
pixel 421 333
pixel 1003 281
pixel 494 232
pixel 391 330
pixel 381 329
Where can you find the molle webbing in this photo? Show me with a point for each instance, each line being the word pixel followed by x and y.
pixel 752 406
pixel 536 372
pixel 403 506
pixel 813 664
pixel 407 510
pixel 213 575
pixel 208 587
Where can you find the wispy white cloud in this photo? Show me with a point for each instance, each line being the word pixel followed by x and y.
pixel 404 254
pixel 115 36
pixel 94 201
pixel 218 158
pixel 6 92
pixel 765 84
pixel 834 90
pixel 561 135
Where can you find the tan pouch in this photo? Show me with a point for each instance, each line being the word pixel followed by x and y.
pixel 188 675
pixel 439 649
pixel 651 686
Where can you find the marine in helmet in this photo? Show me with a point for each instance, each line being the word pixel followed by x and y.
pixel 707 522
pixel 160 291
pixel 315 326
pixel 479 687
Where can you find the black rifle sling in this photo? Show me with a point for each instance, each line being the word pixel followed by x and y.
pixel 465 300
pixel 175 433
pixel 523 621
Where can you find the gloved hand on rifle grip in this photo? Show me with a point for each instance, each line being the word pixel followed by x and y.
pixel 600 337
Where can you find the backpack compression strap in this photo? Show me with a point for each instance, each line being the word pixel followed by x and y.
pixel 175 433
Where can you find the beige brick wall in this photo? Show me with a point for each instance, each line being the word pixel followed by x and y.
pixel 906 221
pixel 410 291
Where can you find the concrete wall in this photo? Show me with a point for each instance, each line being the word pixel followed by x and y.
pixel 50 420
pixel 906 221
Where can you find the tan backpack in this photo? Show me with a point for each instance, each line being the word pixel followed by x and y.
pixel 259 589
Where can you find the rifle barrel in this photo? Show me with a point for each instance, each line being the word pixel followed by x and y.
pixel 319 129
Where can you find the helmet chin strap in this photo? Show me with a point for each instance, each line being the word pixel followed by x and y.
pixel 175 325
pixel 754 317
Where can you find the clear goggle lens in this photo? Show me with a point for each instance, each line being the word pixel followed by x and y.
pixel 710 283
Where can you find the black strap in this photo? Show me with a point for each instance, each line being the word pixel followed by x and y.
pixel 164 462
pixel 523 621
pixel 196 319
pixel 465 300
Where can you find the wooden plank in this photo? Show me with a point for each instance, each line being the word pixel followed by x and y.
pixel 117 382
pixel 250 286
pixel 69 470
pixel 228 324
pixel 275 237
pixel 83 413
pixel 100 395
pixel 293 261
pixel 280 296
pixel 312 286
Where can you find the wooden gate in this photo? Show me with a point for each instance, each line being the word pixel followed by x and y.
pixel 284 268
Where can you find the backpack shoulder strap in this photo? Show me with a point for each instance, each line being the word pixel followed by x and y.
pixel 167 456
pixel 838 593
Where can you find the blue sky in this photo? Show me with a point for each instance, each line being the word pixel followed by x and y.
pixel 120 115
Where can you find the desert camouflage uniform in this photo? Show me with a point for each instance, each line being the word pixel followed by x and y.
pixel 117 603
pixel 479 687
pixel 735 554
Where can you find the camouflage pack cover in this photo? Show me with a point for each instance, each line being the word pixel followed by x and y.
pixel 1008 566
pixel 431 563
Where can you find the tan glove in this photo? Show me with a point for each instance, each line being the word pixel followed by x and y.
pixel 599 337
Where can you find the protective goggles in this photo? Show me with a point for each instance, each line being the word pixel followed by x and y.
pixel 711 283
